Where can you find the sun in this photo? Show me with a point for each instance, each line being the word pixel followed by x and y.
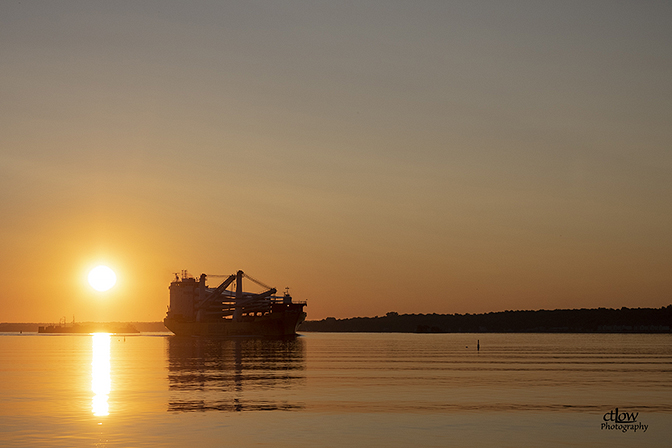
pixel 102 278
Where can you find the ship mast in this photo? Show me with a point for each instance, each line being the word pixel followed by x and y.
pixel 238 311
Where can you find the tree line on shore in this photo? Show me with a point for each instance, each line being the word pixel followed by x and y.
pixel 593 320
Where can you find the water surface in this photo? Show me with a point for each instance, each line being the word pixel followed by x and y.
pixel 333 389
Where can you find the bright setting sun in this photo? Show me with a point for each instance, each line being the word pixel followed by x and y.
pixel 102 278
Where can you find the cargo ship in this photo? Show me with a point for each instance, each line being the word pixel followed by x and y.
pixel 197 310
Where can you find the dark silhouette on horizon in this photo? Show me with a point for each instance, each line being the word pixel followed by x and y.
pixel 594 320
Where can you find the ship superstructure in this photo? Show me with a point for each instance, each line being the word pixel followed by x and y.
pixel 196 309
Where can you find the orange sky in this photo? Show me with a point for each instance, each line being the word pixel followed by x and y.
pixel 415 157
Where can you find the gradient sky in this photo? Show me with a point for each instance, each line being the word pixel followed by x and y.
pixel 374 156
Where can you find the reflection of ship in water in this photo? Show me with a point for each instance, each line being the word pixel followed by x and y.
pixel 234 375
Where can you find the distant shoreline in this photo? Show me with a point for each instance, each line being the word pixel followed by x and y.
pixel 593 320
pixel 31 327
pixel 585 320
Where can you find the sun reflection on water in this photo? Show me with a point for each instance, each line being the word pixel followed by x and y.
pixel 100 374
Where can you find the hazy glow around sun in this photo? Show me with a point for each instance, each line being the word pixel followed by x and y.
pixel 102 278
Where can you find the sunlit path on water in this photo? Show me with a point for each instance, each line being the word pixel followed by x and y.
pixel 100 374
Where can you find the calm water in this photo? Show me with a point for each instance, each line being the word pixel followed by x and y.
pixel 334 390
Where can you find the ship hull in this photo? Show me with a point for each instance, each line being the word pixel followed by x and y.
pixel 275 325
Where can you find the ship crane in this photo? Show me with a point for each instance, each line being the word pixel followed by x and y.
pixel 257 281
pixel 217 305
pixel 210 298
pixel 247 276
